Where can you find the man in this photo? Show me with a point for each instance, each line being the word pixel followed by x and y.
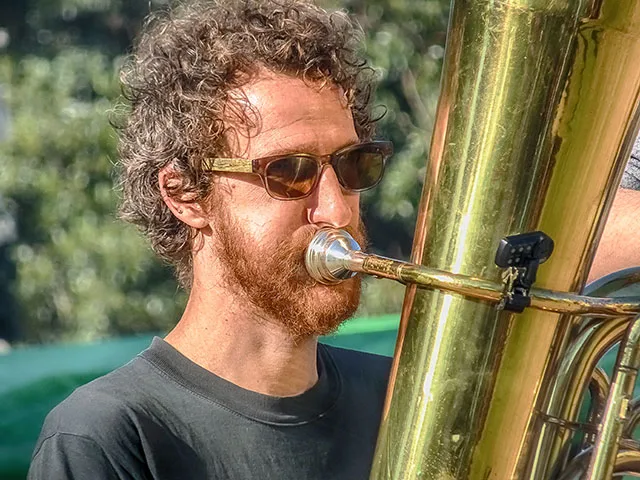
pixel 240 389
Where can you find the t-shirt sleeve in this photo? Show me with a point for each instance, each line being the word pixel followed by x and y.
pixel 631 175
pixel 65 456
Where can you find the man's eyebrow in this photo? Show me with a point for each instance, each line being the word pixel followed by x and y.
pixel 309 148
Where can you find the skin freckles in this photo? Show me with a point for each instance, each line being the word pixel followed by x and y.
pixel 254 314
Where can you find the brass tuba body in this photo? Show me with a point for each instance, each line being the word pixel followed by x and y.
pixel 537 115
pixel 536 118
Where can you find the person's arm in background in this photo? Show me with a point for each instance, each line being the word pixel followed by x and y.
pixel 620 243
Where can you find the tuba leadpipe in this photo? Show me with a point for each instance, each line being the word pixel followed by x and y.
pixel 333 255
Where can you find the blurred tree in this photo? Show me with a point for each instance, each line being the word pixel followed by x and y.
pixel 82 274
pixel 48 27
pixel 79 273
pixel 9 326
pixel 404 40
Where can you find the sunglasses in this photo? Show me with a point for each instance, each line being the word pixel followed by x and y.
pixel 289 177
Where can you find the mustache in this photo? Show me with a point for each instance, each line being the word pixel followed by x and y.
pixel 358 233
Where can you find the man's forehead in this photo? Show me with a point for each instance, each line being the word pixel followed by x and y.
pixel 288 111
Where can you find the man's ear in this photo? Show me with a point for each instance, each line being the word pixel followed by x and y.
pixel 190 213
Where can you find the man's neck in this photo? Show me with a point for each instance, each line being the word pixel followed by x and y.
pixel 227 337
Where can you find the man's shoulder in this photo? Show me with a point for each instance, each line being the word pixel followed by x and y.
pixel 95 430
pixel 103 406
pixel 358 364
pixel 361 375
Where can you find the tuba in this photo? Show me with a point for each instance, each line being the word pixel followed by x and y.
pixel 536 118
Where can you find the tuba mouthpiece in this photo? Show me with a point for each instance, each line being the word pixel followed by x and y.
pixel 329 256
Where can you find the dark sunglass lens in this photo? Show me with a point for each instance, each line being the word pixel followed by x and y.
pixel 291 177
pixel 360 168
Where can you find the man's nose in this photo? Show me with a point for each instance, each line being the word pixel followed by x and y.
pixel 328 205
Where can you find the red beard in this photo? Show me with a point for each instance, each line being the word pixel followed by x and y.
pixel 274 279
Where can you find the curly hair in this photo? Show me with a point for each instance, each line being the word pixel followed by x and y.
pixel 178 82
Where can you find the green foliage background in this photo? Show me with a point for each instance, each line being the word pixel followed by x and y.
pixel 72 271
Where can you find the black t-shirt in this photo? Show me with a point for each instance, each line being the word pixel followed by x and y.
pixel 163 417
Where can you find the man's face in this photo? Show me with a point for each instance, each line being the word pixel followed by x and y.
pixel 260 241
